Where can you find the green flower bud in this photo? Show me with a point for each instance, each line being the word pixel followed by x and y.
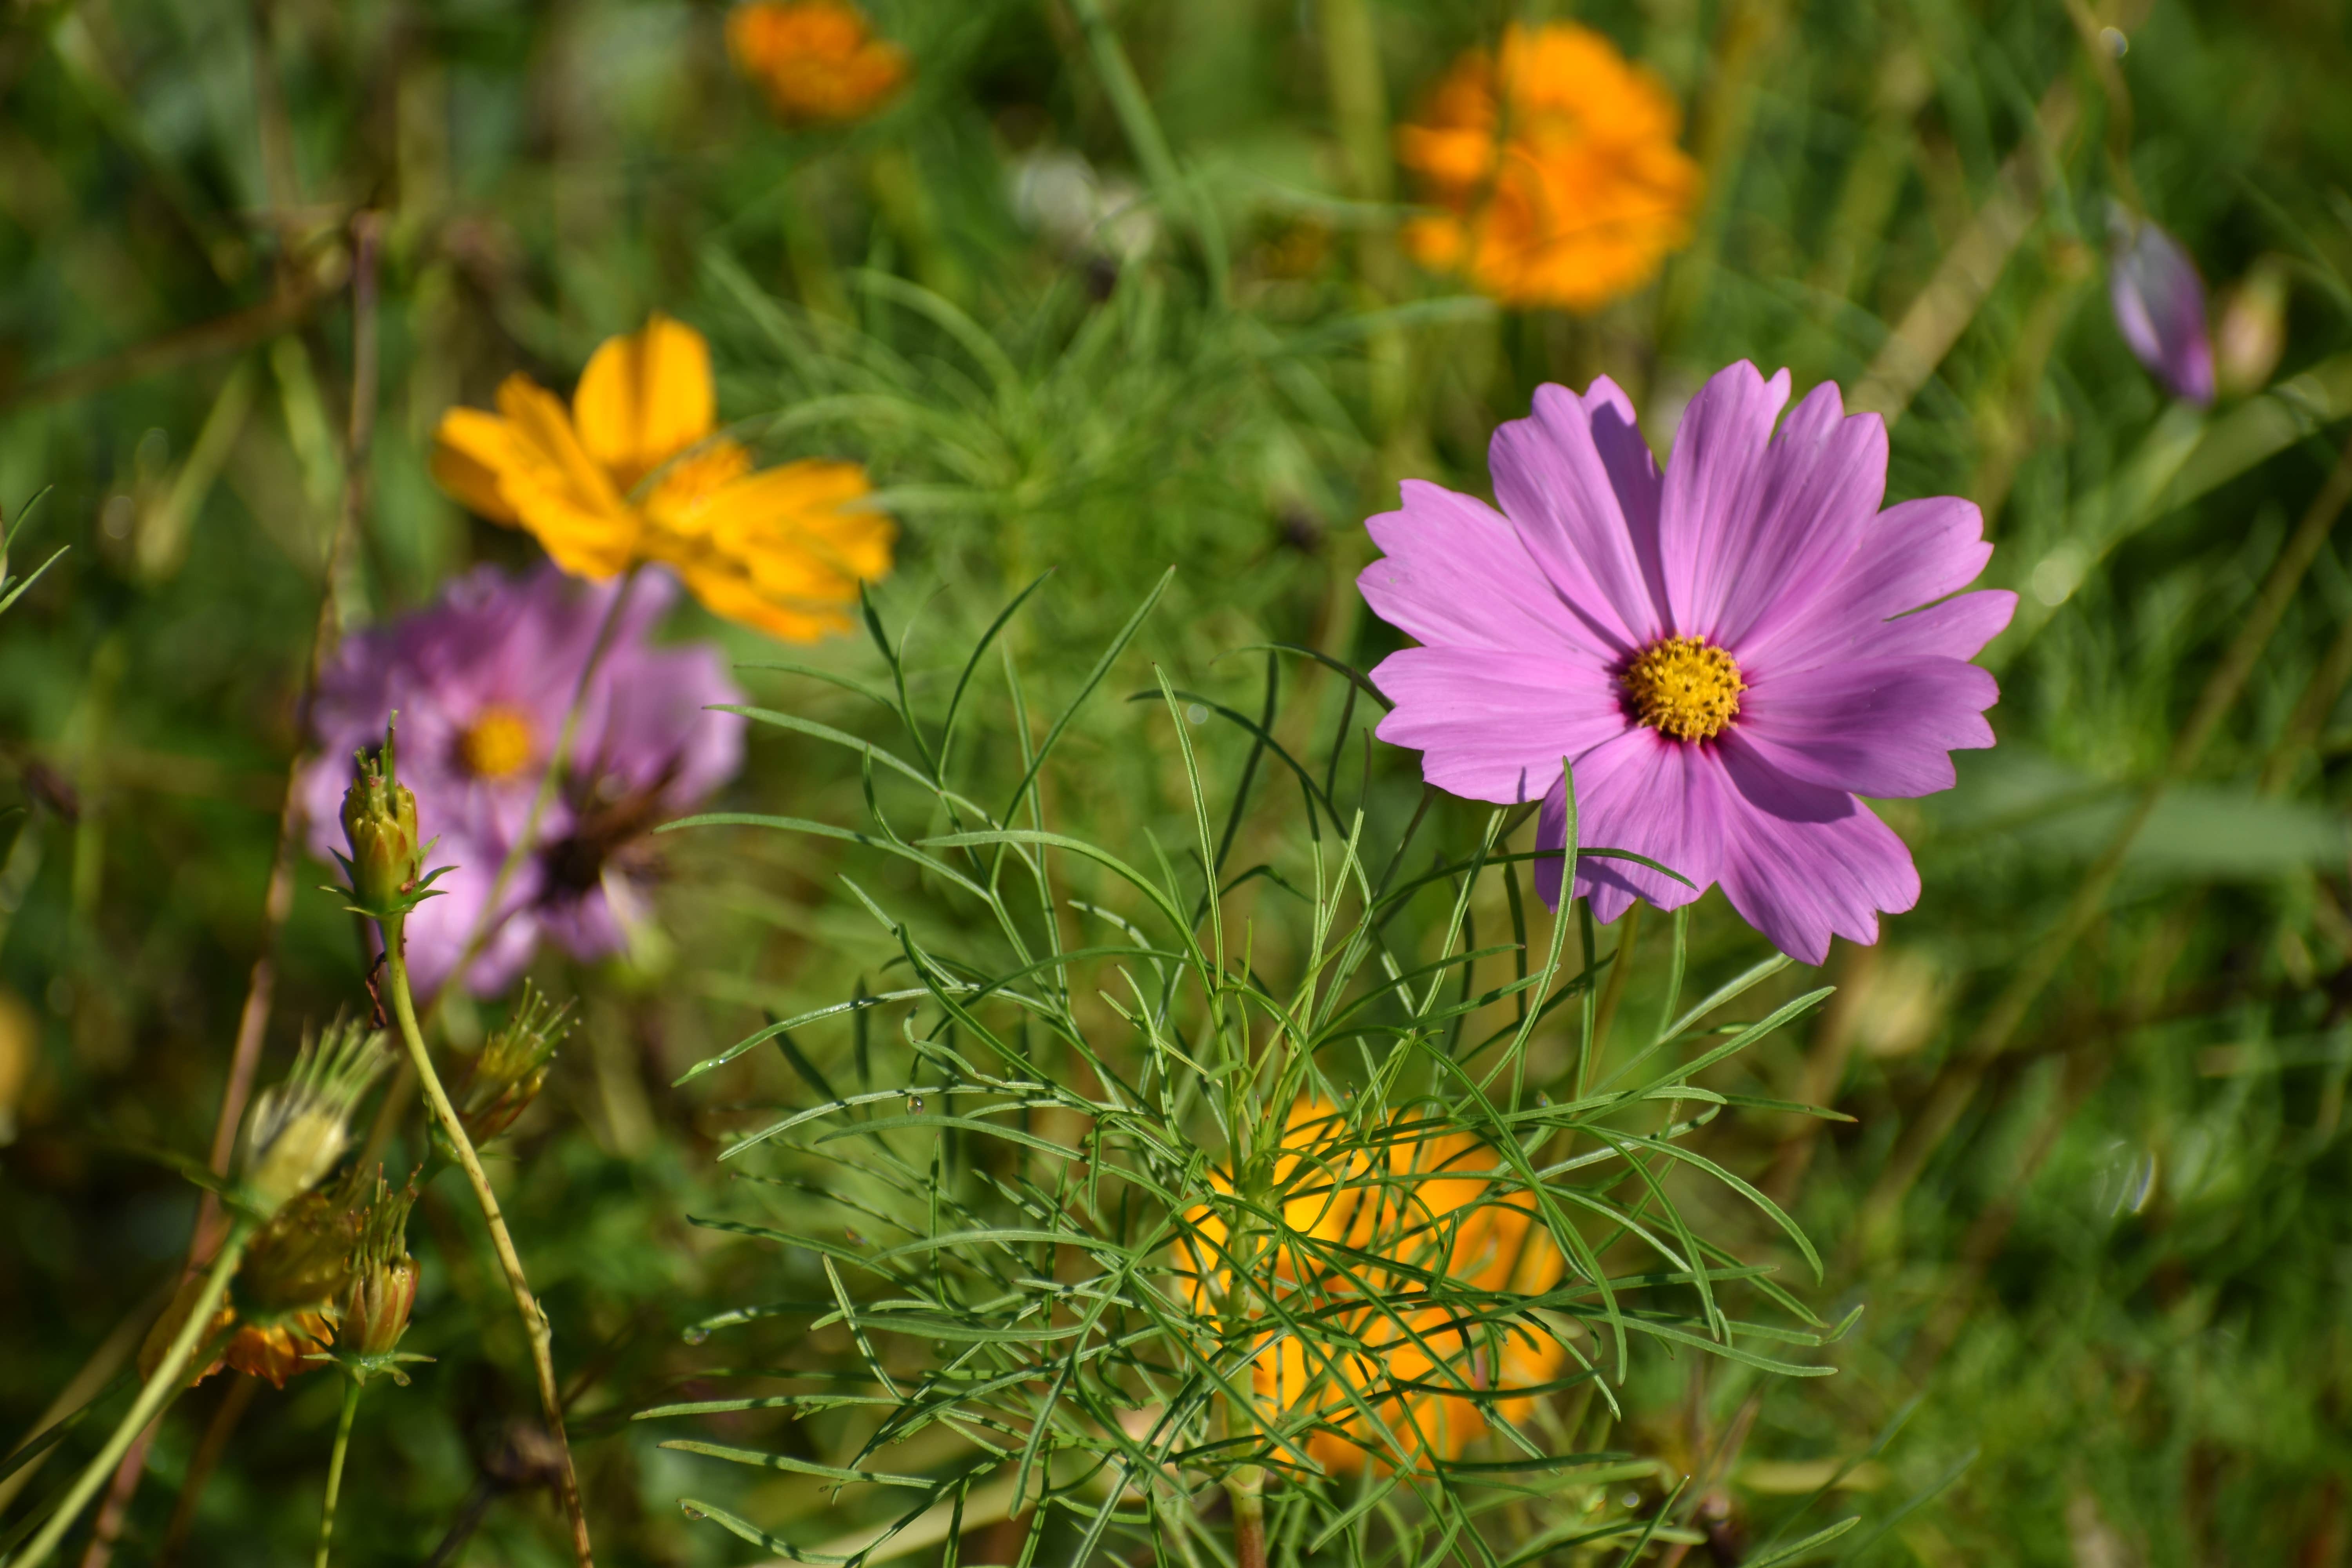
pixel 386 861
pixel 298 1128
pixel 383 1286
pixel 511 1069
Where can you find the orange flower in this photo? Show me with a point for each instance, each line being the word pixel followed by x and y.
pixel 815 59
pixel 633 473
pixel 1564 187
pixel 1432 1219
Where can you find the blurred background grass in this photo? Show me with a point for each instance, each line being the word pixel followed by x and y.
pixel 2102 1226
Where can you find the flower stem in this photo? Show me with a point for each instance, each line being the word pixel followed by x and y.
pixel 534 1320
pixel 335 1467
pixel 1247 1487
pixel 159 1392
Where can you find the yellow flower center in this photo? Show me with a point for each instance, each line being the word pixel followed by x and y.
pixel 496 743
pixel 1685 687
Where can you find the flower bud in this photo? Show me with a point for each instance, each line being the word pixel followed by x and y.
pixel 2251 333
pixel 511 1069
pixel 2159 304
pixel 298 1130
pixel 383 1286
pixel 380 824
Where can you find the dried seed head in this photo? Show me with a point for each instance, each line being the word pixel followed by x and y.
pixel 298 1130
pixel 511 1069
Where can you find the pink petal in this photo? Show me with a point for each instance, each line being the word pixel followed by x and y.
pixel 1494 726
pixel 1713 477
pixel 1956 628
pixel 1876 727
pixel 1801 863
pixel 1586 504
pixel 1913 553
pixel 1453 574
pixel 1819 489
pixel 1651 796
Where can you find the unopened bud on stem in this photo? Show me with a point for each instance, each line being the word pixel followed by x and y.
pixel 383 1286
pixel 386 864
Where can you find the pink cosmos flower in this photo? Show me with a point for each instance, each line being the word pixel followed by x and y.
pixel 1724 654
pixel 482 679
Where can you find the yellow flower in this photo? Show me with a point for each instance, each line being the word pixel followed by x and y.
pixel 1564 187
pixel 1422 1228
pixel 815 59
pixel 633 473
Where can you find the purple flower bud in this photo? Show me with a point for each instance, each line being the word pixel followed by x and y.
pixel 2159 304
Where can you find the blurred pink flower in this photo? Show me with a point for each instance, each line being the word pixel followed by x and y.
pixel 2160 304
pixel 481 679
pixel 1725 653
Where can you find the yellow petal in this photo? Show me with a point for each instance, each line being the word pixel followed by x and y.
pixel 782 550
pixel 644 398
pixel 471 449
pixel 558 491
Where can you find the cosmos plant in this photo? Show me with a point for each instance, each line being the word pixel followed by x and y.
pixel 1212 1211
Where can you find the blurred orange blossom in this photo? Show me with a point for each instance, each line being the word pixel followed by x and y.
pixel 815 59
pixel 633 472
pixel 1555 166
pixel 1366 1233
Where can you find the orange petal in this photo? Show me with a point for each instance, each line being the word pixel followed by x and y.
pixel 558 491
pixel 644 398
pixel 470 449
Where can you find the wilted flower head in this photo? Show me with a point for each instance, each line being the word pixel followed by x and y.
pixel 286 1292
pixel 816 61
pixel 482 679
pixel 2159 304
pixel 633 472
pixel 511 1066
pixel 1555 165
pixel 277 1316
pixel 298 1130
pixel 1407 1252
pixel 1724 654
pixel 382 1289
pixel 300 1260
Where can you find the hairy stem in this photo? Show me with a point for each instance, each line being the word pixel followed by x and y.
pixel 159 1392
pixel 335 1467
pixel 534 1320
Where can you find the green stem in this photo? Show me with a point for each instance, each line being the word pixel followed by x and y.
pixel 159 1391
pixel 534 1320
pixel 335 1467
pixel 1247 1487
